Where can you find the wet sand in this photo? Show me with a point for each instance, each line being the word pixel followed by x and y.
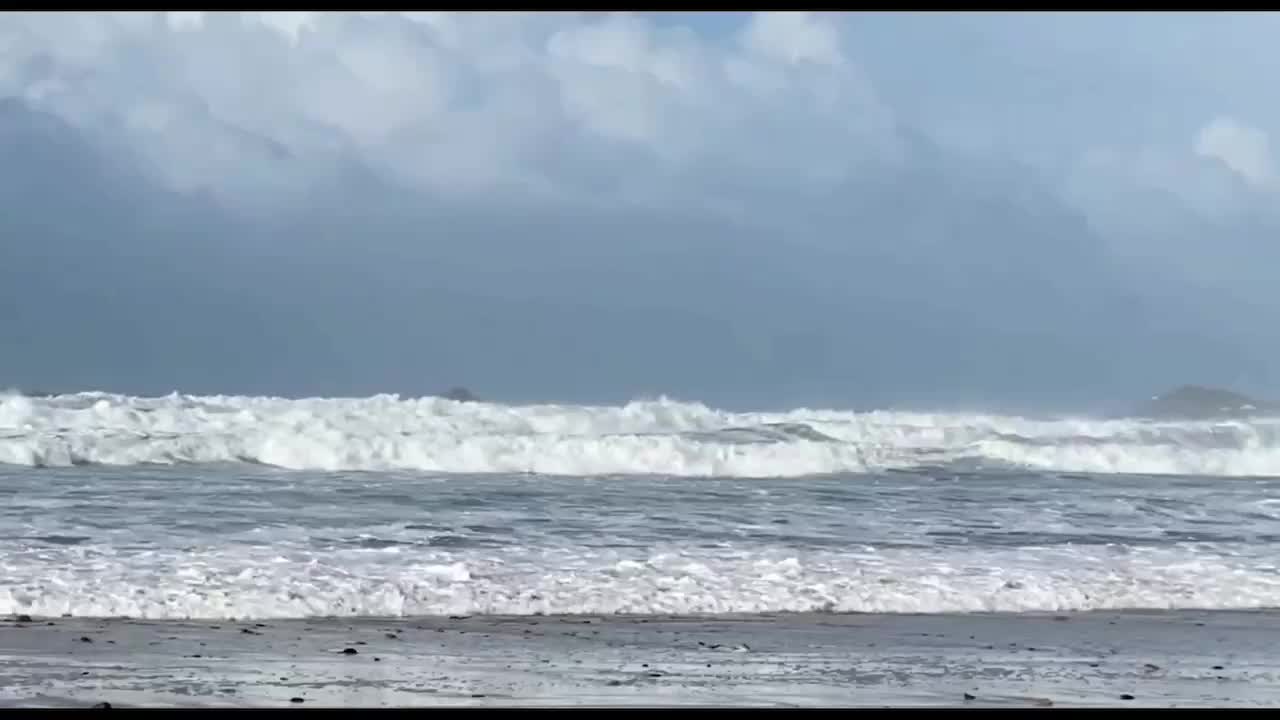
pixel 1147 659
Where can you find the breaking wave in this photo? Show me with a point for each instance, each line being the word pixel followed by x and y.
pixel 658 437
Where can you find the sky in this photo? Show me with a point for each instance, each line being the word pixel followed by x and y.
pixel 1034 211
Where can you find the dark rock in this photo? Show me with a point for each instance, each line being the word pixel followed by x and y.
pixel 1193 402
pixel 1218 667
pixel 1150 667
pixel 459 394
pixel 102 706
pixel 23 618
pixel 967 696
pixel 350 651
pixel 296 700
pixel 247 631
pixel 86 639
pixel 377 659
pixel 392 636
pixel 1126 696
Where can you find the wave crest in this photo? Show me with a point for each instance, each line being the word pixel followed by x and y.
pixel 661 436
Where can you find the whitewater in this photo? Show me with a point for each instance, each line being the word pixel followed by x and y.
pixel 659 437
pixel 252 507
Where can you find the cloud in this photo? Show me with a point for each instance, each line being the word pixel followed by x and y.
pixel 784 207
pixel 455 101
pixel 1246 150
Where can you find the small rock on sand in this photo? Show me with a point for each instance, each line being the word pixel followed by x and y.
pixel 350 651
pixel 296 700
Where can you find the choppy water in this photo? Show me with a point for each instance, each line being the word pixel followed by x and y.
pixel 166 508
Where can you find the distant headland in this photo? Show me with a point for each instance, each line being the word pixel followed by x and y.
pixel 1195 402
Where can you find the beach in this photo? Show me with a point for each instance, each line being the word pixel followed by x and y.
pixel 1128 658
pixel 654 554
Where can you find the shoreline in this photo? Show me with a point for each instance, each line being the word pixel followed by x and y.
pixel 1147 658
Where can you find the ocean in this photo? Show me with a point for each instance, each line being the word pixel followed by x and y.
pixel 203 508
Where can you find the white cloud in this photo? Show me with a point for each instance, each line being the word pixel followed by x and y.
pixel 793 37
pixel 598 105
pixel 1246 150
pixel 457 101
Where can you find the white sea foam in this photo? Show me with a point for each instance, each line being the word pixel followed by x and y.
pixel 265 583
pixel 652 437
